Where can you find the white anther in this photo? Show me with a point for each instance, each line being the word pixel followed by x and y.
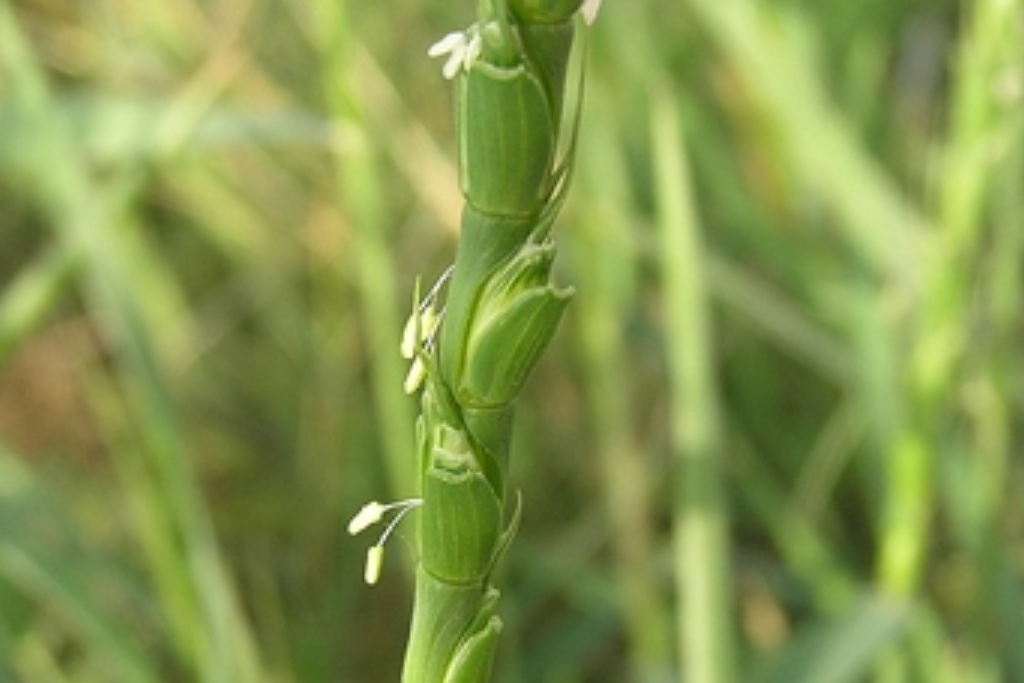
pixel 371 514
pixel 462 48
pixel 589 10
pixel 420 331
pixel 374 561
pixel 414 379
pixel 451 42
pixel 422 323
pixel 411 336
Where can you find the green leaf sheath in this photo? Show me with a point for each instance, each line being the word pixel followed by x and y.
pixel 453 626
pixel 501 312
pixel 462 527
pixel 549 46
pixel 506 139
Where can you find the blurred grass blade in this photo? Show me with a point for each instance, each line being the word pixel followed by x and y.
pixel 605 266
pixel 838 650
pixel 40 554
pixel 209 631
pixel 31 296
pixel 778 319
pixel 361 187
pixel 701 543
pixel 769 47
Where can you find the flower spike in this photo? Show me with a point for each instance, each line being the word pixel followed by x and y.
pixel 516 140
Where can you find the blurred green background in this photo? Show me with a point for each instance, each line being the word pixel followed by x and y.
pixel 797 236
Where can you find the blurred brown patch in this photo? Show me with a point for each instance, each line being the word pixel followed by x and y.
pixel 44 409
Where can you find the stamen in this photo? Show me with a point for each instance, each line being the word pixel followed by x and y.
pixel 420 331
pixel 448 44
pixel 423 317
pixel 462 48
pixel 406 507
pixel 371 514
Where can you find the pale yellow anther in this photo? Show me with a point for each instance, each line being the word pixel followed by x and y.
pixel 418 329
pixel 410 337
pixel 462 49
pixel 449 43
pixel 371 514
pixel 589 10
pixel 414 380
pixel 374 561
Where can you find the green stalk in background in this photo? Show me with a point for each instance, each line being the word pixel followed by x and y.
pixel 358 180
pixel 606 269
pixel 701 542
pixel 502 310
pixel 205 625
pixel 956 447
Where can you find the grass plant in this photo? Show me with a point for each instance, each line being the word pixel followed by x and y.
pixel 776 438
